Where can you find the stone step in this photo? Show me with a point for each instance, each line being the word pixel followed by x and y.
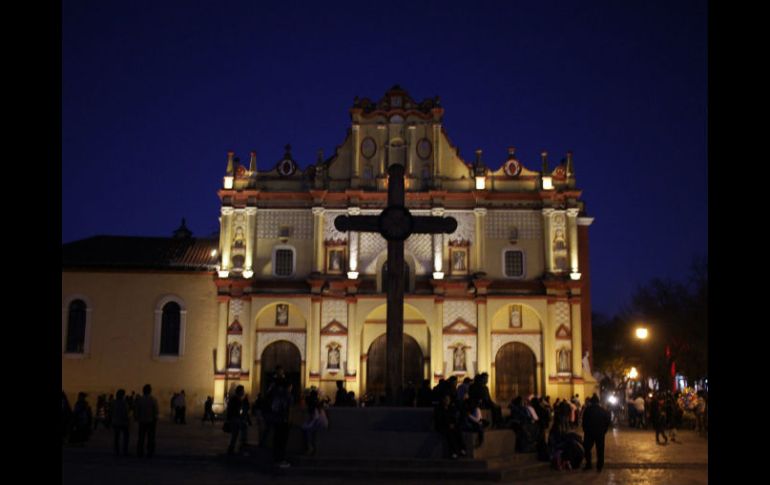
pixel 375 463
pixel 380 419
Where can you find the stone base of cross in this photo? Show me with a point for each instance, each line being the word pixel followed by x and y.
pixel 395 224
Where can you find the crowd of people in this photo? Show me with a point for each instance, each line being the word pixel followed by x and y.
pixel 550 430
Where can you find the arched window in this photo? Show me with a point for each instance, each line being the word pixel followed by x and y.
pixel 171 323
pixel 76 328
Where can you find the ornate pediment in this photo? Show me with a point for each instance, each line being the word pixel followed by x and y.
pixel 459 327
pixel 334 328
pixel 235 328
pixel 563 332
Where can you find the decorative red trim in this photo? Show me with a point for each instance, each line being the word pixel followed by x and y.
pixel 459 327
pixel 334 324
pixel 235 328
pixel 407 321
pixel 513 331
pixel 563 333
pixel 281 330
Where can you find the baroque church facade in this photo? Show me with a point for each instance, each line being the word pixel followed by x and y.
pixel 507 293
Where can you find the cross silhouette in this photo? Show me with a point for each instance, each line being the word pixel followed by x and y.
pixel 395 223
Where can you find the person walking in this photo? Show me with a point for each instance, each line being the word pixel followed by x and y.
pixel 208 410
pixel 236 420
pixel 146 412
pixel 120 421
pixel 596 422
pixel 658 416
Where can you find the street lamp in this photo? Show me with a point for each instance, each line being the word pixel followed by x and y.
pixel 641 333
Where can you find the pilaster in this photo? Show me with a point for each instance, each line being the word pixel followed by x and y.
pixel 547 236
pixel 318 239
pixel 479 242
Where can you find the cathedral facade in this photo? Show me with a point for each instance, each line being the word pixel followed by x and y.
pixel 507 293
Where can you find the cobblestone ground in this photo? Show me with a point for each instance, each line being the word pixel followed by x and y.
pixel 191 454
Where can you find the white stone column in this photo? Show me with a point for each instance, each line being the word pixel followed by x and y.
pixel 226 236
pixel 436 150
pixel 222 334
pixel 437 340
pixel 577 339
pixel 573 242
pixel 354 353
pixel 318 239
pixel 353 246
pixel 251 240
pixel 483 363
pixel 478 242
pixel 548 252
pixel 410 150
pixel 313 351
pixel 382 136
pixel 438 247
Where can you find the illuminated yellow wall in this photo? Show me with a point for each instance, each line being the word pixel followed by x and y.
pixel 122 326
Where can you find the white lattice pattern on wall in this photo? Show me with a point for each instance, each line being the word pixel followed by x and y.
pixel 421 247
pixel 266 338
pixel 342 341
pixel 471 361
pixel 454 309
pixel 300 223
pixel 466 226
pixel 330 233
pixel 528 223
pixel 236 307
pixel 561 314
pixel 334 310
pixel 534 342
pixel 371 245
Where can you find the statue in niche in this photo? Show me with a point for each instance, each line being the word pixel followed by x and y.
pixel 282 314
pixel 564 356
pixel 516 316
pixel 586 363
pixel 459 358
pixel 458 260
pixel 559 243
pixel 238 239
pixel 333 360
pixel 235 356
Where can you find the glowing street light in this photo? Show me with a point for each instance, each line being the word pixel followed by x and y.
pixel 633 373
pixel 641 333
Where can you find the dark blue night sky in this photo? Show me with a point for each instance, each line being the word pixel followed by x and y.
pixel 155 93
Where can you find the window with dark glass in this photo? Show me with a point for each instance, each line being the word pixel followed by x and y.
pixel 170 329
pixel 76 327
pixel 284 262
pixel 514 264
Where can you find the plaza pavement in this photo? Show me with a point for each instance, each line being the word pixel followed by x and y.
pixel 193 454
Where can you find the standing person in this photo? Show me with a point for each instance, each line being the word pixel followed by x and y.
pixel 596 422
pixel 672 416
pixel 66 417
pixel 316 420
pixel 658 416
pixel 81 420
pixel 208 410
pixel 700 412
pixel 280 408
pixel 120 421
pixel 473 419
pixel 146 414
pixel 236 420
pixel 246 408
pixel 181 403
pixel 101 411
pixel 341 398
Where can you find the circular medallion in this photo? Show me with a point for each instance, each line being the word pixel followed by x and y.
pixel 512 168
pixel 424 148
pixel 396 223
pixel 286 167
pixel 368 147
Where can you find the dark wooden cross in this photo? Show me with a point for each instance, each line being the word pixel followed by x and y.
pixel 395 224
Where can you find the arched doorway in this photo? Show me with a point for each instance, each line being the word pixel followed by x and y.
pixel 515 372
pixel 287 355
pixel 375 365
